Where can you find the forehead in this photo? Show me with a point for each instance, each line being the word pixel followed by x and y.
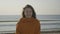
pixel 28 9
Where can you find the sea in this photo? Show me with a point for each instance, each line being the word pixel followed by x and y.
pixel 48 22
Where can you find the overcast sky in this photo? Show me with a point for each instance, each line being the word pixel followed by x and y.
pixel 42 7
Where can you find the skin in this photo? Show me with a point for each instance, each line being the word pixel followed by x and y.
pixel 28 12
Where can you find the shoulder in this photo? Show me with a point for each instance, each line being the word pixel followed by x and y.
pixel 19 20
pixel 37 21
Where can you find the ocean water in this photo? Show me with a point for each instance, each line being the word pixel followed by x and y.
pixel 40 17
pixel 48 22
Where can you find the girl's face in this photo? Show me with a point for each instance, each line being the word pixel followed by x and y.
pixel 28 12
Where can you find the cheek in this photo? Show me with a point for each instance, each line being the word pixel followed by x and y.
pixel 30 13
pixel 25 13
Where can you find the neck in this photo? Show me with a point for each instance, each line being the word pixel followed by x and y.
pixel 28 18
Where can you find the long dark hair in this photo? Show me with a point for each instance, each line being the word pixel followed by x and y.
pixel 33 11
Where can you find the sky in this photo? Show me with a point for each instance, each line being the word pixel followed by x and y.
pixel 42 7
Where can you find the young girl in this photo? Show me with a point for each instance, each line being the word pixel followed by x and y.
pixel 28 24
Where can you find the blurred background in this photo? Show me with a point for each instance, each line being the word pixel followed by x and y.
pixel 48 12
